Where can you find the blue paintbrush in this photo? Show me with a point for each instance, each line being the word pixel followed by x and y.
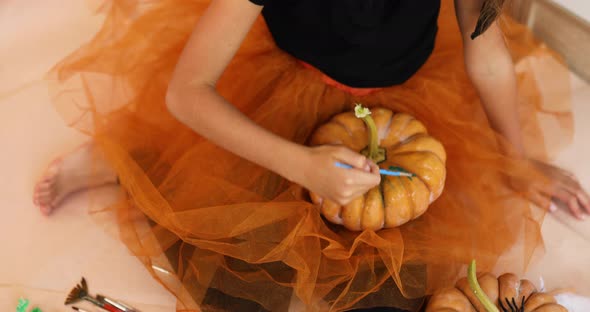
pixel 381 171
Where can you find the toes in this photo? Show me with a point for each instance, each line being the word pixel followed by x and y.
pixel 40 198
pixel 44 194
pixel 46 209
pixel 45 186
pixel 48 176
pixel 45 190
pixel 50 173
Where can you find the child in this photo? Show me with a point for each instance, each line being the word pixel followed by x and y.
pixel 201 112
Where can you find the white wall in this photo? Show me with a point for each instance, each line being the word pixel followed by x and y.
pixel 579 7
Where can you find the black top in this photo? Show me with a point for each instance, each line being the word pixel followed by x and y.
pixel 360 43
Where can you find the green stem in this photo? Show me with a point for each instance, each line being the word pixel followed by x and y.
pixel 373 138
pixel 477 291
pixel 373 151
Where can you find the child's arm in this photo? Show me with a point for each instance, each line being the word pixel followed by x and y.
pixel 193 100
pixel 491 70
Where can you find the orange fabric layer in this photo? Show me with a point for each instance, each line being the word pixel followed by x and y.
pixel 224 234
pixel 350 90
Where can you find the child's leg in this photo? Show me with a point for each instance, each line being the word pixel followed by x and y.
pixel 78 170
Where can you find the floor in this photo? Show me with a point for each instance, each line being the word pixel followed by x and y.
pixel 40 260
pixel 580 7
pixel 43 258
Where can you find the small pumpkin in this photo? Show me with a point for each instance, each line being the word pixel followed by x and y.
pixel 395 142
pixel 486 293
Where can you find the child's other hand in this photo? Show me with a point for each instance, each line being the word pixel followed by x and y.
pixel 564 189
pixel 318 173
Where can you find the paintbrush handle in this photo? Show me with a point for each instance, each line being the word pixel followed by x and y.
pixel 111 308
pixel 381 171
pixel 103 305
pixel 117 304
pixel 92 300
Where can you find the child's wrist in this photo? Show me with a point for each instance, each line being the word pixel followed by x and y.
pixel 290 160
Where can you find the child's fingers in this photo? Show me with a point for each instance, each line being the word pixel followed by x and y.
pixel 361 179
pixel 560 192
pixel 575 209
pixel 581 196
pixel 352 158
pixel 373 167
pixel 542 201
pixel 584 200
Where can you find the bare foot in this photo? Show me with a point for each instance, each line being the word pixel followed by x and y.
pixel 79 170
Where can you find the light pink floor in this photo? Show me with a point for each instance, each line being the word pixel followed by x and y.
pixel 42 258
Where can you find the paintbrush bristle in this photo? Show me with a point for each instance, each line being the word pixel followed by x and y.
pixel 79 292
pixel 490 11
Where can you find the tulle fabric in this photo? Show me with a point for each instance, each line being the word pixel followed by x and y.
pixel 223 234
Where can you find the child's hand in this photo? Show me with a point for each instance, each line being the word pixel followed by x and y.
pixel 319 174
pixel 564 188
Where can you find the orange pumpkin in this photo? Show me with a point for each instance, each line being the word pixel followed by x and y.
pixel 395 142
pixel 486 293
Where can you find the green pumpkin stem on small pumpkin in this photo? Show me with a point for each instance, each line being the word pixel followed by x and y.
pixel 477 291
pixel 373 151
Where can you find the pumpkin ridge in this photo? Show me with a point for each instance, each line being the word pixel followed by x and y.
pixel 409 191
pixel 405 141
pixel 381 192
pixel 414 205
pixel 433 192
pixel 414 152
pixel 406 191
pixel 419 178
pixel 388 181
pixel 341 124
pixel 397 133
pixel 422 135
pixel 401 129
pixel 415 136
pixel 393 146
pixel 551 305
pixel 413 119
pixel 362 217
pixel 386 129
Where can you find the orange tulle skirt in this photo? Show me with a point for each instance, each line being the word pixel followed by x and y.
pixel 223 234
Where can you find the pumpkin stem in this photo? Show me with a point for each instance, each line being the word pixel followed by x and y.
pixel 372 151
pixel 477 291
